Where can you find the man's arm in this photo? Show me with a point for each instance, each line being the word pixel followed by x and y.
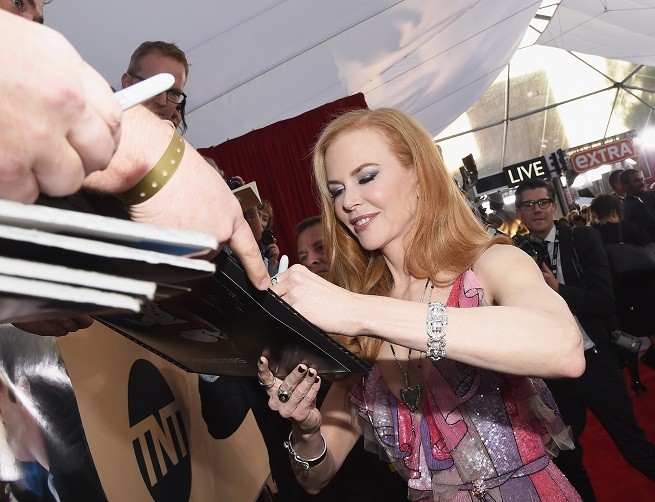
pixel 195 198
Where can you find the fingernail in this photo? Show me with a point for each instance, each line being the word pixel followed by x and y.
pixel 261 361
pixel 317 379
pixel 301 369
pixel 311 372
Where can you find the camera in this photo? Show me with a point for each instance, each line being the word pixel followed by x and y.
pixel 234 183
pixel 537 250
pixel 267 237
pixel 626 340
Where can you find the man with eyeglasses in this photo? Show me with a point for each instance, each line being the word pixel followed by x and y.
pixel 151 58
pixel 580 273
pixel 32 10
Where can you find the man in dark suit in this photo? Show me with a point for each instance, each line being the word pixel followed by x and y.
pixel 579 271
pixel 639 204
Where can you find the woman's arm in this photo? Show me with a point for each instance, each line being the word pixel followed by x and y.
pixel 530 332
pixel 313 430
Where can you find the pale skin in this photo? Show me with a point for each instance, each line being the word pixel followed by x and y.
pixel 79 120
pixel 374 196
pixel 77 133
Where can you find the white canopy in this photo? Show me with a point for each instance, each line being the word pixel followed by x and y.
pixel 254 62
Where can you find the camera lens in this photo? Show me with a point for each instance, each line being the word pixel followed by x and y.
pixel 234 183
pixel 267 237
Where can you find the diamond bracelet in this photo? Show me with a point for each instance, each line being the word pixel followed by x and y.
pixel 436 323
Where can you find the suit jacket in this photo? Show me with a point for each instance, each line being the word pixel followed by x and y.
pixel 642 213
pixel 588 292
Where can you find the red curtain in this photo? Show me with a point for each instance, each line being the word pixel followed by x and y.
pixel 278 158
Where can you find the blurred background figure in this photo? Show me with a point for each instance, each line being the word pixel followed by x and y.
pixel 267 240
pixel 309 242
pixel 634 291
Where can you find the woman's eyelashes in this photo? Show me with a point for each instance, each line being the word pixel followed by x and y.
pixel 366 178
pixel 362 180
pixel 335 192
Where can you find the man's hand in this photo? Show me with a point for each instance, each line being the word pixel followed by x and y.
pixel 195 198
pixel 56 327
pixel 60 120
pixel 550 279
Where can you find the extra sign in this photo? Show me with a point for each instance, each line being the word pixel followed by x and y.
pixel 609 153
pixel 528 169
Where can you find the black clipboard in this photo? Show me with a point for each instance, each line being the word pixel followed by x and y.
pixel 225 324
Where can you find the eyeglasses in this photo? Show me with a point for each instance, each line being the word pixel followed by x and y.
pixel 171 95
pixel 528 205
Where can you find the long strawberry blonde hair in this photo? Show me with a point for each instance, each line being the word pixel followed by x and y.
pixel 443 240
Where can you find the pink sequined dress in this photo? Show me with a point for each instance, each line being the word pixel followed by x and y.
pixel 480 435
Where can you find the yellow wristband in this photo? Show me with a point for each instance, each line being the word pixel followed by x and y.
pixel 158 176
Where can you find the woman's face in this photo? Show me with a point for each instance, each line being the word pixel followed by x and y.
pixel 374 194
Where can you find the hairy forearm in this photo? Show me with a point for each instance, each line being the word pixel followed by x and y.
pixel 144 139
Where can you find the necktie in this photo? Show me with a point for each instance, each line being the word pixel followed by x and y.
pixel 543 256
pixel 547 260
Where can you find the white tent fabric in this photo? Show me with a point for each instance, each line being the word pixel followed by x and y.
pixel 613 29
pixel 254 62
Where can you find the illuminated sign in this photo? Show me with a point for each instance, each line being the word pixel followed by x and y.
pixel 609 153
pixel 526 170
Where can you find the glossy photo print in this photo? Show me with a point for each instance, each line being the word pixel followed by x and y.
pixel 43 450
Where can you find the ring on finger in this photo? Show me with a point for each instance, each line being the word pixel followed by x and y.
pixel 283 394
pixel 267 385
pixel 274 280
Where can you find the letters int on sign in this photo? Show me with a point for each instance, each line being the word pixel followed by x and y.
pixel 609 153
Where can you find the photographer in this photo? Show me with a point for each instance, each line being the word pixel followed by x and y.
pixel 267 240
pixel 574 264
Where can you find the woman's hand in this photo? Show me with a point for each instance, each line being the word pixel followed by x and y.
pixel 331 308
pixel 301 386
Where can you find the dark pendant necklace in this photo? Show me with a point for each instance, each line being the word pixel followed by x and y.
pixel 411 396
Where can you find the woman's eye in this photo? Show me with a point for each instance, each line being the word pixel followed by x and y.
pixel 366 178
pixel 335 192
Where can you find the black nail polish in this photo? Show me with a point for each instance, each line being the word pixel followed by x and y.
pixel 301 369
pixel 311 372
pixel 261 361
pixel 317 379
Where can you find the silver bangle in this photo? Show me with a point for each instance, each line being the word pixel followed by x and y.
pixel 436 323
pixel 305 463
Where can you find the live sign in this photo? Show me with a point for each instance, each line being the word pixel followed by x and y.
pixel 609 153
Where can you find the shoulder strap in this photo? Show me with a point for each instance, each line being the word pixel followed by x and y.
pixel 453 297
pixel 576 261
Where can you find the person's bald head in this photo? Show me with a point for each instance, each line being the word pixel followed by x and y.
pixel 31 10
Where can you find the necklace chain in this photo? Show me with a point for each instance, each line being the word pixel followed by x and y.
pixel 411 396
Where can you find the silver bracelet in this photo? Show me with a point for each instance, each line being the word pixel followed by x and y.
pixel 305 463
pixel 436 323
